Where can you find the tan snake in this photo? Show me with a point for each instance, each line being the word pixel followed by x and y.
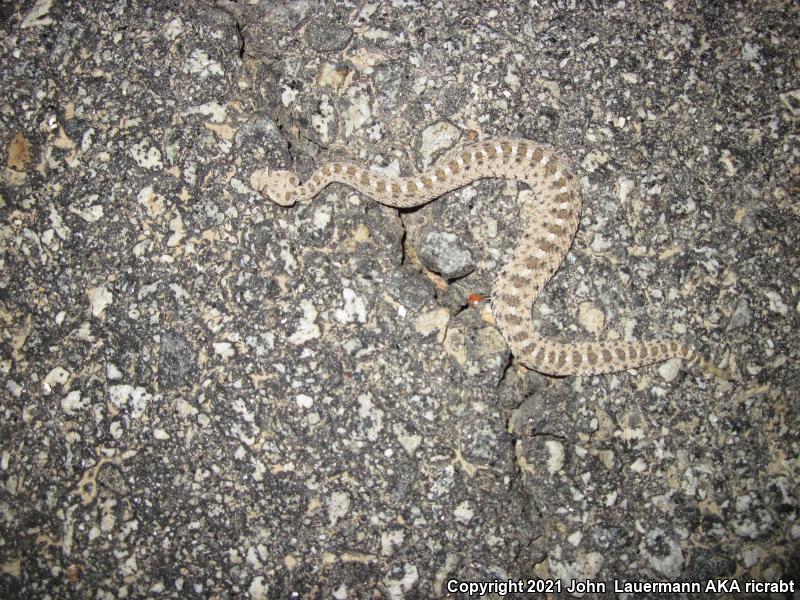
pixel 549 225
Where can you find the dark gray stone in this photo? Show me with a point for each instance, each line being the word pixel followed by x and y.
pixel 177 360
pixel 327 36
pixel 410 287
pixel 445 253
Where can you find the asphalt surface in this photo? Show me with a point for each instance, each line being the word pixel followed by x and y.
pixel 206 395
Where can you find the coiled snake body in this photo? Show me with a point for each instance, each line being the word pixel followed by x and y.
pixel 549 225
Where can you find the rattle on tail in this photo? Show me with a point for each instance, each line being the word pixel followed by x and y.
pixel 550 225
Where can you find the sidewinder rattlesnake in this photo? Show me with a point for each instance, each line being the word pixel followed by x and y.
pixel 549 225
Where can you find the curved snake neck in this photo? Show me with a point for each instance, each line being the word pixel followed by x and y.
pixel 549 224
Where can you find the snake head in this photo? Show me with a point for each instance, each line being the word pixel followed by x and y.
pixel 276 184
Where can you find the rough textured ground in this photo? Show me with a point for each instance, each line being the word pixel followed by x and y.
pixel 204 395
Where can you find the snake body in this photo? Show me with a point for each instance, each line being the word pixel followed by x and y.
pixel 549 225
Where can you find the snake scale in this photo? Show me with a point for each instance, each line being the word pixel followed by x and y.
pixel 549 226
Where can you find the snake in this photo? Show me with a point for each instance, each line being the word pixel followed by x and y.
pixel 549 223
